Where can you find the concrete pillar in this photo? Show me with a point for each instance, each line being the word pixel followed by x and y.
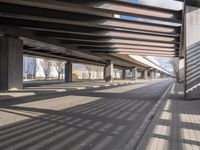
pixel 145 74
pixel 152 76
pixel 162 75
pixel 158 74
pixel 11 63
pixel 155 75
pixel 134 73
pixel 124 74
pixel 68 71
pixel 192 55
pixel 108 71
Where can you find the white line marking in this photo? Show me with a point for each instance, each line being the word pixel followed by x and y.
pixel 96 86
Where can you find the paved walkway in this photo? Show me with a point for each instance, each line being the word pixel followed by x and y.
pixel 176 125
pixel 48 87
pixel 103 118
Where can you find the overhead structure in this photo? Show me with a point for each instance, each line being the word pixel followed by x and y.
pixel 89 32
pixel 87 28
pixel 193 3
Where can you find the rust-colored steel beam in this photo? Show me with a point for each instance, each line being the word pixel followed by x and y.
pixel 134 9
pixel 128 47
pixel 110 35
pixel 138 53
pixel 103 9
pixel 110 23
pixel 79 41
pixel 144 54
pixel 134 50
pixel 92 25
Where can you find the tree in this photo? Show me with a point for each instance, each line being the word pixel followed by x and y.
pixel 30 69
pixel 37 67
pixel 59 66
pixel 89 69
pixel 98 71
pixel 46 66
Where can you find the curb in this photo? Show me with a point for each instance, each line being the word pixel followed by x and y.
pixel 133 143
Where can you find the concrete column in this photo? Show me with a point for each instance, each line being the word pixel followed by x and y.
pixel 108 71
pixel 134 73
pixel 124 74
pixel 152 76
pixel 162 75
pixel 11 63
pixel 158 74
pixel 146 74
pixel 192 55
pixel 155 75
pixel 68 71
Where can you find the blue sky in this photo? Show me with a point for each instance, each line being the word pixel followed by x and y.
pixel 164 61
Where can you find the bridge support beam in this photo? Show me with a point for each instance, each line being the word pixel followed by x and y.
pixel 146 74
pixel 152 76
pixel 109 71
pixel 124 74
pixel 134 73
pixel 155 75
pixel 68 71
pixel 11 63
pixel 192 55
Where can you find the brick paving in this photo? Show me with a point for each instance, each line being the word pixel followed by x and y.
pixel 104 118
pixel 176 125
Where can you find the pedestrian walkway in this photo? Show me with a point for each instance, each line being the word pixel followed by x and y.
pixel 32 88
pixel 176 125
pixel 104 118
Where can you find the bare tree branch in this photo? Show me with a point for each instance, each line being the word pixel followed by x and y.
pixel 89 69
pixel 59 66
pixel 46 66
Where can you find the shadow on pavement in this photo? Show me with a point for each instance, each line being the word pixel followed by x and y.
pixel 176 124
pixel 105 123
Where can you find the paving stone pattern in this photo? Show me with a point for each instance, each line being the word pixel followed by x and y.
pixel 176 125
pixel 103 118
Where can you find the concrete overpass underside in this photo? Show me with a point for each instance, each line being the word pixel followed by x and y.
pixel 84 31
pixel 89 32
pixel 125 114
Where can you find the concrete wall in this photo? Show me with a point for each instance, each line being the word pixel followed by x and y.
pixel 192 84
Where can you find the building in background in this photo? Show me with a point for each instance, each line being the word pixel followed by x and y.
pixel 29 67
pixel 33 69
pixel 83 71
